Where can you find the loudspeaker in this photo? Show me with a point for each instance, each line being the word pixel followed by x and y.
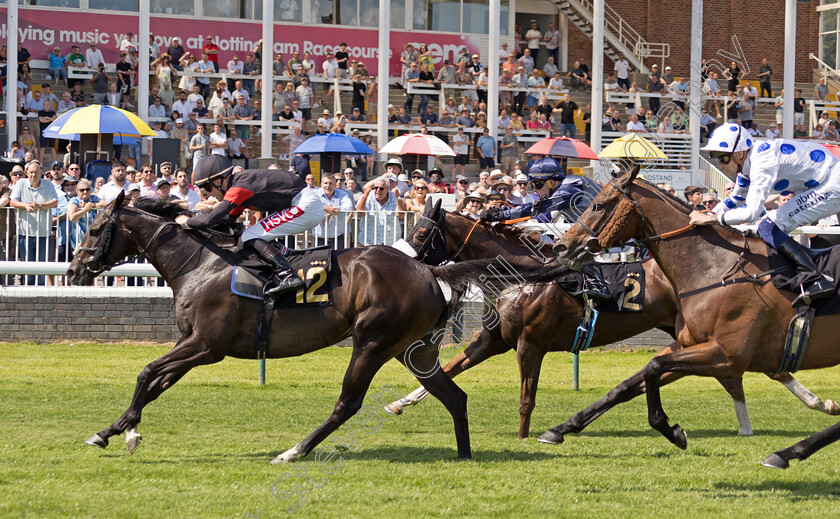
pixel 166 150
pixel 89 142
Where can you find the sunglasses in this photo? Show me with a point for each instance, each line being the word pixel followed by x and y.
pixel 538 184
pixel 380 188
pixel 705 202
pixel 82 190
pixel 723 159
pixel 463 182
pixel 18 174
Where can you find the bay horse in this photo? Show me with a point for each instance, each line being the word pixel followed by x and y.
pixel 724 329
pixel 215 323
pixel 542 318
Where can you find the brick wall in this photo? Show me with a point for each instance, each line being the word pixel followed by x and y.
pixel 96 319
pixel 51 318
pixel 759 26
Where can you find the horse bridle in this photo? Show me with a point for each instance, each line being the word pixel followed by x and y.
pixel 425 247
pixel 594 234
pixel 112 221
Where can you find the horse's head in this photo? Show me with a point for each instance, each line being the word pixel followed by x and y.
pixel 428 237
pixel 103 246
pixel 611 219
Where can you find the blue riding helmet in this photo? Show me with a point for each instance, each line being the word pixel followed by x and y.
pixel 546 169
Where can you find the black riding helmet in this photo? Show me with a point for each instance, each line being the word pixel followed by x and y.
pixel 211 167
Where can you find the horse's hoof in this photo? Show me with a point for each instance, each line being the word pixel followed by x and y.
pixel 833 408
pixel 680 439
pixel 394 408
pixel 550 437
pixel 290 455
pixel 774 461
pixel 132 440
pixel 97 441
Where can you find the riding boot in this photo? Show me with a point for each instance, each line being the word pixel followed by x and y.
pixel 595 286
pixel 821 288
pixel 284 279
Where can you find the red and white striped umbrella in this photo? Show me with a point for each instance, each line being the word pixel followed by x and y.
pixel 418 144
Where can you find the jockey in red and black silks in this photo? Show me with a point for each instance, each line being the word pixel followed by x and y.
pixel 290 208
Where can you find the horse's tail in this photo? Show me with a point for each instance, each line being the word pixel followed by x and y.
pixel 491 275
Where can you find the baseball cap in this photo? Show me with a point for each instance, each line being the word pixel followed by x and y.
pixel 326 112
pixel 390 177
pixel 402 177
pixel 133 187
pixel 179 121
pixel 348 170
pixel 161 182
pixel 521 177
pixel 56 163
pixel 69 178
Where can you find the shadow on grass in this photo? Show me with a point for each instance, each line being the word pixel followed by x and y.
pixel 799 490
pixel 692 433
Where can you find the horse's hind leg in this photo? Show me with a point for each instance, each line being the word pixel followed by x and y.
pixel 735 388
pixel 803 449
pixel 367 359
pixel 529 358
pixel 806 396
pixel 155 378
pixel 487 344
pixel 423 364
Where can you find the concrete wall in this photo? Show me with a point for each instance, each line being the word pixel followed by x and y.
pixel 43 314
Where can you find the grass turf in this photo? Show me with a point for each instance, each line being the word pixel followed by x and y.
pixel 207 443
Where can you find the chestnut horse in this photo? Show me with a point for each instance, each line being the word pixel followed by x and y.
pixel 724 329
pixel 215 323
pixel 541 318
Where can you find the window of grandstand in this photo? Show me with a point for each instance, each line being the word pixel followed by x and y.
pixel 284 10
pixel 48 3
pixel 447 15
pixel 173 7
pixel 828 36
pixel 113 5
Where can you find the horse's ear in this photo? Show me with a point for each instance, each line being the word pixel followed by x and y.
pixel 118 202
pixel 631 176
pixel 436 209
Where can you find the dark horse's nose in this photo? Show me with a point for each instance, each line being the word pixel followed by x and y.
pixel 559 249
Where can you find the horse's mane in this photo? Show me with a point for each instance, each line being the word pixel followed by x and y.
pixel 687 208
pixel 502 230
pixel 160 207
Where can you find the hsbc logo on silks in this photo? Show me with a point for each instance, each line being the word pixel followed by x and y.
pixel 279 218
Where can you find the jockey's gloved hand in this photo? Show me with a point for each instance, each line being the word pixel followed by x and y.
pixel 493 214
pixel 537 206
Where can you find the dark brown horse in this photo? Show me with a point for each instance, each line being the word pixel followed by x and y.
pixel 215 323
pixel 540 318
pixel 724 330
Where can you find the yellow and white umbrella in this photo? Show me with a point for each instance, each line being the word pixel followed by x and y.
pixel 632 146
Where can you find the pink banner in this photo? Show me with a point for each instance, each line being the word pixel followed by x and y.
pixel 41 30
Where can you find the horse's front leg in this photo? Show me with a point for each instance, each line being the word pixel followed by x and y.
pixel 156 377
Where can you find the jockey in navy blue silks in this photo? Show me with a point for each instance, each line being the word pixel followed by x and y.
pixel 556 191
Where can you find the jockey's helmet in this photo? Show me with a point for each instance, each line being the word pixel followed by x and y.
pixel 728 139
pixel 546 169
pixel 211 167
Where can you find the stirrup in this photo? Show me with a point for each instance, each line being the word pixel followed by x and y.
pixel 821 289
pixel 280 286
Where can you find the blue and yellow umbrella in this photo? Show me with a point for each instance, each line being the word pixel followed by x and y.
pixel 99 119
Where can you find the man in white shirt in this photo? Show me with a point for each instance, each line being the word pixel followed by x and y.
pixel 335 224
pixel 611 84
pixel 204 65
pixel 504 52
pixel 308 65
pixel 552 42
pixel 622 72
pixel 634 125
pixel 182 189
pixel 532 38
pixel 93 57
pixel 183 105
pixel 218 141
pixel 325 122
pixel 127 44
pixel 773 132
pixel 117 183
pixel 556 82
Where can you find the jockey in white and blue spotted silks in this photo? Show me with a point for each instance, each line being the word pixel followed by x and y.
pixel 806 169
